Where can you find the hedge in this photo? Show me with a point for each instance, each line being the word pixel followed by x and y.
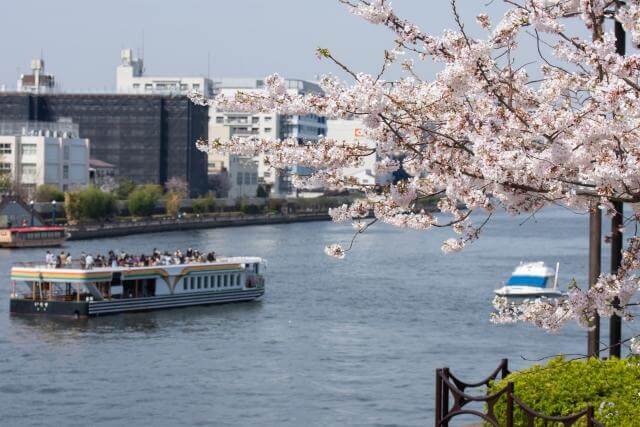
pixel 564 387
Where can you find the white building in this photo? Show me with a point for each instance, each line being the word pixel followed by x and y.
pixel 270 126
pixel 37 153
pixel 352 131
pixel 130 78
pixel 241 171
pixel 37 81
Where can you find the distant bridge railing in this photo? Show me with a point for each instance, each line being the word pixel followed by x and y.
pixel 452 400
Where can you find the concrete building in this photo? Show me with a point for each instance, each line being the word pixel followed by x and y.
pixel 352 131
pixel 241 171
pixel 37 153
pixel 149 138
pixel 130 78
pixel 271 125
pixel 37 81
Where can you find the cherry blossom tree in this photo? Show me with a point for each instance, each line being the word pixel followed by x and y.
pixel 489 131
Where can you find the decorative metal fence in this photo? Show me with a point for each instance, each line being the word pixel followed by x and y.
pixel 452 401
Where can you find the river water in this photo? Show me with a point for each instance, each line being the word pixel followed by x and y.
pixel 332 343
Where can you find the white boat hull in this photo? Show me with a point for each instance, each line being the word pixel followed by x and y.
pixel 527 292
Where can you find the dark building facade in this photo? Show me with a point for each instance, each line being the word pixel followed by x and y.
pixel 149 138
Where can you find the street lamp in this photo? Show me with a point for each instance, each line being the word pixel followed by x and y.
pixel 53 212
pixel 31 203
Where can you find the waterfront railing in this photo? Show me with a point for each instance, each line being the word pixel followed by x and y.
pixel 453 400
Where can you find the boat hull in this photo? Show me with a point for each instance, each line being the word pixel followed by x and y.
pixel 33 243
pixel 527 292
pixel 115 306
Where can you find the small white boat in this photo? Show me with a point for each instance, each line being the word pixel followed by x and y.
pixel 531 280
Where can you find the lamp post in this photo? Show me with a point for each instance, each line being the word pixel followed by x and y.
pixel 53 212
pixel 32 203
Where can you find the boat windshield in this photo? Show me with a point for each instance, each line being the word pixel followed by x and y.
pixel 537 281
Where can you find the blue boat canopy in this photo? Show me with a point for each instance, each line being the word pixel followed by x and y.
pixel 537 281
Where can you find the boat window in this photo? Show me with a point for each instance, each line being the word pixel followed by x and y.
pixel 184 284
pixel 205 279
pixel 225 280
pixel 218 280
pixel 199 279
pixel 191 282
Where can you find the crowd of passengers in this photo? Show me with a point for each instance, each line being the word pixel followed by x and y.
pixel 123 259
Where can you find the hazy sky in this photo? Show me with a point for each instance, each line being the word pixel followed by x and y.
pixel 81 39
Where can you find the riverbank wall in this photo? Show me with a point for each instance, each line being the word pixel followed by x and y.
pixel 117 229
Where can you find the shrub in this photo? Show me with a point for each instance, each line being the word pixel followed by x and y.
pixel 203 204
pixel 173 202
pixel 563 387
pixel 47 193
pixel 91 203
pixel 143 200
pixel 124 188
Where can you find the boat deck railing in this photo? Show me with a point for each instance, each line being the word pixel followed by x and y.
pixel 77 265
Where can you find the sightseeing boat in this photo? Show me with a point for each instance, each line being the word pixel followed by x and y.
pixel 32 237
pixel 79 292
pixel 531 280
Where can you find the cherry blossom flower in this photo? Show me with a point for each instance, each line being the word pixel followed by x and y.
pixel 492 130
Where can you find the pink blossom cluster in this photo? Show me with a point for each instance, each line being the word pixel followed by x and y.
pixel 490 130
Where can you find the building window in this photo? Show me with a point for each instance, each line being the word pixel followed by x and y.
pixel 5 168
pixel 137 86
pixel 219 119
pixel 239 178
pixel 196 86
pixel 254 178
pixel 28 149
pixel 184 86
pixel 267 118
pixel 255 119
pixel 5 148
pixel 267 130
pixel 65 172
pixel 247 178
pixel 28 169
pixel 148 86
pixel 65 151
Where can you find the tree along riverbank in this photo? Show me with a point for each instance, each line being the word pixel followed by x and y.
pixel 125 228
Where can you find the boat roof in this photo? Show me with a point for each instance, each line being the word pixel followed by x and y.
pixel 42 272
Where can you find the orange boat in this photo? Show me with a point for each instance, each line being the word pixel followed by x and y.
pixel 32 237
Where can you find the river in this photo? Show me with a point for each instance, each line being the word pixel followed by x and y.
pixel 332 343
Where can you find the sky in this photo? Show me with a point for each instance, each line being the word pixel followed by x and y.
pixel 80 40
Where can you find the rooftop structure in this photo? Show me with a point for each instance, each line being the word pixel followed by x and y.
pixel 37 81
pixel 130 78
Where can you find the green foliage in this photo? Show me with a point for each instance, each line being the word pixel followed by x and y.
pixel 142 201
pixel 91 203
pixel 173 201
pixel 47 193
pixel 125 187
pixel 203 204
pixel 6 183
pixel 564 387
pixel 262 192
